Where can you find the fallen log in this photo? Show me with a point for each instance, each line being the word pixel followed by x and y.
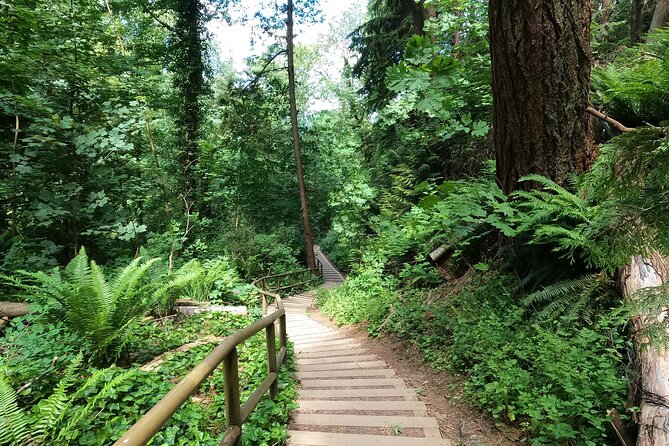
pixel 13 309
pixel 191 310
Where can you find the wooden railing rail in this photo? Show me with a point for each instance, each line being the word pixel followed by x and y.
pixel 226 352
pixel 286 281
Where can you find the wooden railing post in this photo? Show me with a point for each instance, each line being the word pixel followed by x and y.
pixel 283 340
pixel 233 416
pixel 273 367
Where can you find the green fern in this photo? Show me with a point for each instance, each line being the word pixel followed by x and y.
pixel 573 298
pixel 50 411
pixel 14 423
pixel 70 418
pixel 104 313
pixel 54 419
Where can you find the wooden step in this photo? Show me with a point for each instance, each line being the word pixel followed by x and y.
pixel 364 420
pixel 325 348
pixel 362 382
pixel 343 366
pixel 338 342
pixel 303 438
pixel 319 374
pixel 356 393
pixel 335 359
pixel 360 405
pixel 311 338
pixel 332 353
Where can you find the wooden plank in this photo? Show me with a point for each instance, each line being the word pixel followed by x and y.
pixel 324 348
pixel 302 438
pixel 364 420
pixel 333 353
pixel 314 338
pixel 360 405
pixel 320 374
pixel 363 382
pixel 343 366
pixel 328 343
pixel 355 393
pixel 336 359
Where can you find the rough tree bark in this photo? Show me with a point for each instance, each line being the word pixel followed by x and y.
pixel 306 220
pixel 653 363
pixel 541 63
pixel 419 14
pixel 660 15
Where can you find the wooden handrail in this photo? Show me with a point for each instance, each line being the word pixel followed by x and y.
pixel 226 352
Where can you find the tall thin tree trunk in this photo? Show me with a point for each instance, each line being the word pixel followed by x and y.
pixel 306 221
pixel 653 362
pixel 541 65
pixel 457 35
pixel 188 68
pixel 660 15
pixel 420 14
pixel 607 9
pixel 636 19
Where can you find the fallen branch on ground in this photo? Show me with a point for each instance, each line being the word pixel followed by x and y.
pixel 158 360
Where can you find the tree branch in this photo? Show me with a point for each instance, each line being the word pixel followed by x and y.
pixel 609 120
pixel 263 70
pixel 159 20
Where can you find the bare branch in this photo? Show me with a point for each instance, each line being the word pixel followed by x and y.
pixel 608 119
pixel 159 20
pixel 264 70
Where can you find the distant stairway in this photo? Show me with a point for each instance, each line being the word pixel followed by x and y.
pixel 349 397
pixel 331 274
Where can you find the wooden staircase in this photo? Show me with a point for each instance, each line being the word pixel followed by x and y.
pixel 349 397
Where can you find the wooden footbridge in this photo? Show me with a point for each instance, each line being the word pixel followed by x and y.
pixel 348 397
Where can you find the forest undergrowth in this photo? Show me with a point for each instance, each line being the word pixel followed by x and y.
pixel 139 166
pixel 524 299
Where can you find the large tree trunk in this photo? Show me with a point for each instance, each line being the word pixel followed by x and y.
pixel 660 15
pixel 306 221
pixel 541 83
pixel 653 363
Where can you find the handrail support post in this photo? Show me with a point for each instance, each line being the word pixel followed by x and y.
pixel 233 416
pixel 272 366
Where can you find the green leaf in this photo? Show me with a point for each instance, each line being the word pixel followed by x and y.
pixel 484 267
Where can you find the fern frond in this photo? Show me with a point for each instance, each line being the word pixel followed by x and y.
pixel 51 410
pixel 559 289
pixel 126 283
pixel 14 429
pixel 78 271
pixel 575 298
pixel 87 412
pixel 101 287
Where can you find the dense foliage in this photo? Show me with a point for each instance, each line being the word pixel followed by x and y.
pixel 93 406
pixel 138 168
pixel 523 298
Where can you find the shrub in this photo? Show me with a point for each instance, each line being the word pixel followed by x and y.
pixel 102 312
